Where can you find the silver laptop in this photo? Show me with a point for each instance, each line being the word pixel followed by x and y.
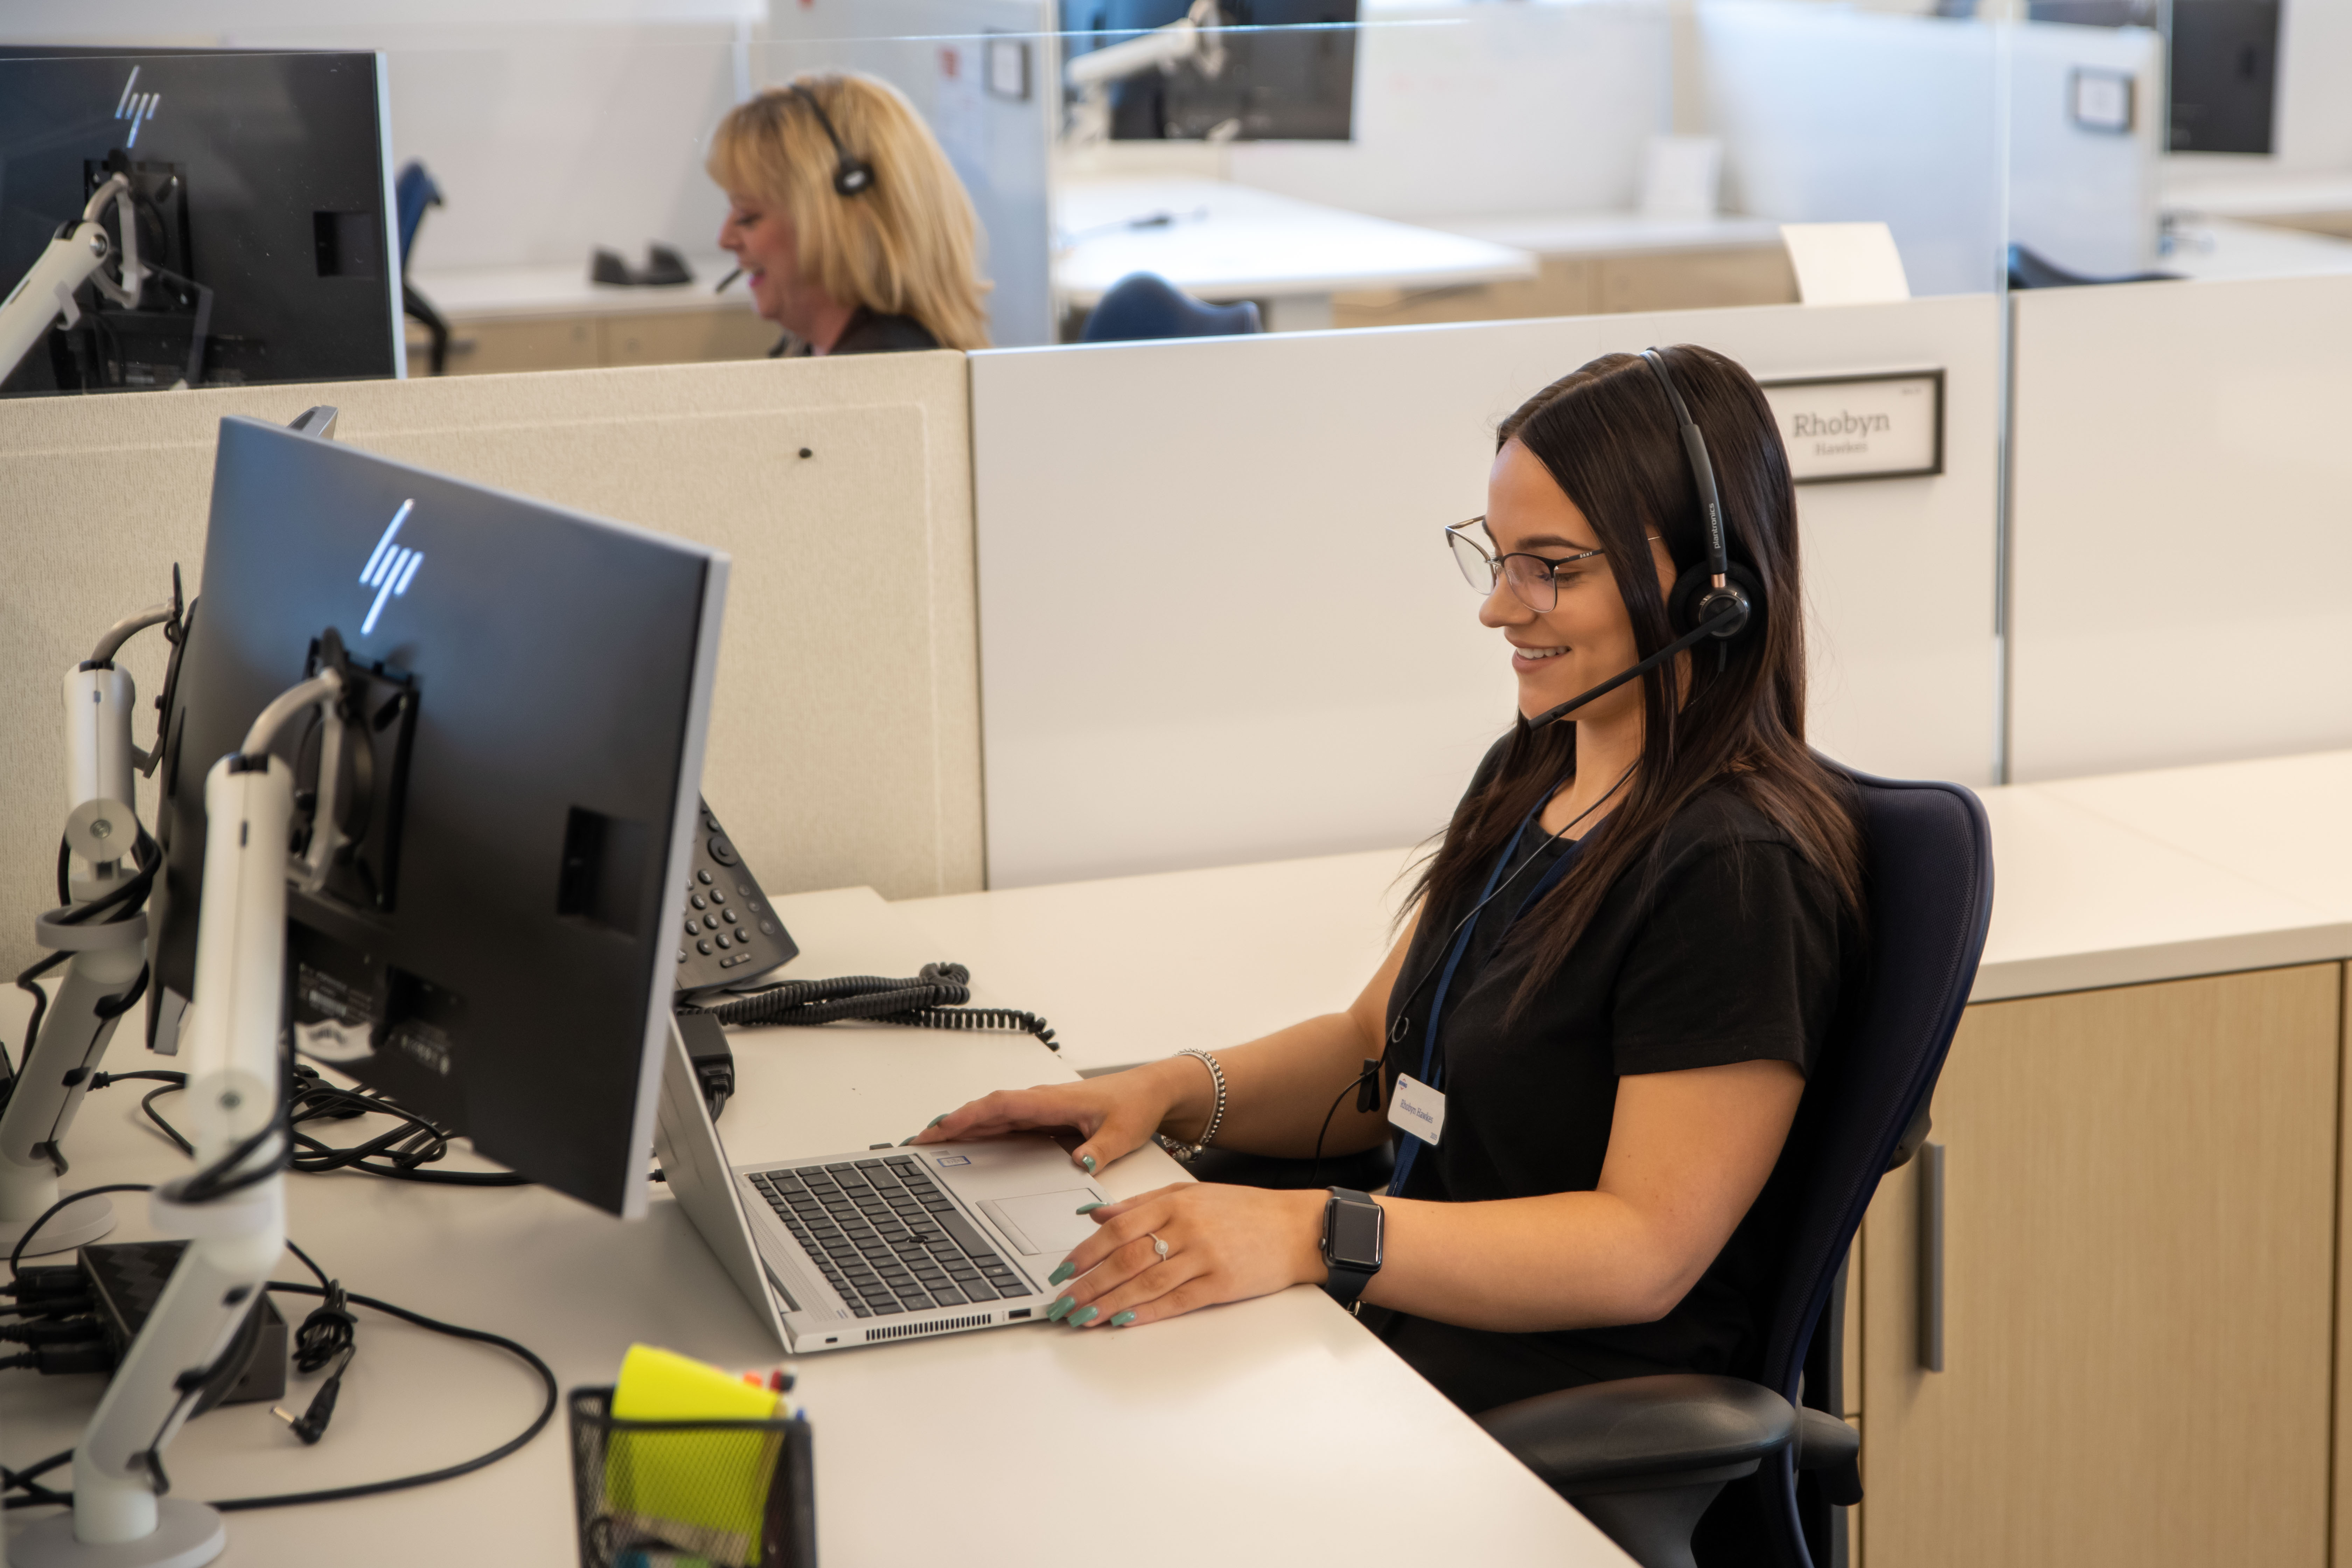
pixel 856 1249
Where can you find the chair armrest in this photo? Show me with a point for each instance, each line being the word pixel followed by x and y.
pixel 1640 1432
pixel 1832 1451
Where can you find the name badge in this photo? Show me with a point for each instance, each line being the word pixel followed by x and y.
pixel 1417 1108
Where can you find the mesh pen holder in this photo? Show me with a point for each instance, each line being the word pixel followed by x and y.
pixel 687 1494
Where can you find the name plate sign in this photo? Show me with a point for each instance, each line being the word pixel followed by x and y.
pixel 1883 427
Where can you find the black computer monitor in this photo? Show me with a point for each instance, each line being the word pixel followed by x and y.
pixel 495 950
pixel 2225 75
pixel 263 187
pixel 1295 82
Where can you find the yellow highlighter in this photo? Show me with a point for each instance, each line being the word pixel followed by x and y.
pixel 701 1492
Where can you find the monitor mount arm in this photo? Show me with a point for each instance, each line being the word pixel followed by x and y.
pixel 233 1208
pixel 107 972
pixel 1197 37
pixel 77 255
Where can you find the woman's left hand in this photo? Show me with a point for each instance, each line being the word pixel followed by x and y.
pixel 1224 1243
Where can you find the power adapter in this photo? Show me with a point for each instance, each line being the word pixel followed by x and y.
pixel 125 1281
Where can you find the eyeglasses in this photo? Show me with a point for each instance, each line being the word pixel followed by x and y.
pixel 1534 579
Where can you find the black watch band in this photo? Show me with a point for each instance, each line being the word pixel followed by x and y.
pixel 1353 1227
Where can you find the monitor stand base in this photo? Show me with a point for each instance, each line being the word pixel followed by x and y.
pixel 187 1535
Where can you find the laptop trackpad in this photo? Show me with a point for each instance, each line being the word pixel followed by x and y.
pixel 1042 1222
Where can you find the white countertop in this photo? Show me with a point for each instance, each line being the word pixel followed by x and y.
pixel 1225 241
pixel 1614 232
pixel 487 293
pixel 2217 249
pixel 1268 1431
pixel 2099 881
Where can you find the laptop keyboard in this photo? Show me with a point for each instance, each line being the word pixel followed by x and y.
pixel 889 1240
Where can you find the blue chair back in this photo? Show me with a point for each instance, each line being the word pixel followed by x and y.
pixel 412 192
pixel 1930 868
pixel 1144 305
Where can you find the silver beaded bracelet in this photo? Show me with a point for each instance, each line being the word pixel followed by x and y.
pixel 1216 1115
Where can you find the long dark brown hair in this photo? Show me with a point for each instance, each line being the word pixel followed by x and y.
pixel 1607 435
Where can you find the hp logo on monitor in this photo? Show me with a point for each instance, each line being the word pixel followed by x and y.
pixel 391 569
pixel 136 107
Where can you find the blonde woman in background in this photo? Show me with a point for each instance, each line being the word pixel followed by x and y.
pixel 848 221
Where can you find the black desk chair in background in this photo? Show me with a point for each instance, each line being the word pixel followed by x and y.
pixel 1645 1458
pixel 412 192
pixel 2029 269
pixel 1144 305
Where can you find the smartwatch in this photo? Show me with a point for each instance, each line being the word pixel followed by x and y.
pixel 1351 1244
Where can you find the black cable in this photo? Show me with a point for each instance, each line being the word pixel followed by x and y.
pixel 16 1256
pixel 424 1478
pixel 147 1104
pixel 314 1098
pixel 935 999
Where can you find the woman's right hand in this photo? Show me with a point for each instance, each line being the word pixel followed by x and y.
pixel 1114 1115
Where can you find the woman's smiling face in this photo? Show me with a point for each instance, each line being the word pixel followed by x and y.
pixel 1587 635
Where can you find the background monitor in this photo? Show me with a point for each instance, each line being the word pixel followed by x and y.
pixel 264 188
pixel 496 950
pixel 1294 85
pixel 2225 75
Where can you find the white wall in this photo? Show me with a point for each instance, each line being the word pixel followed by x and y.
pixel 2180 523
pixel 1217 623
pixel 1473 109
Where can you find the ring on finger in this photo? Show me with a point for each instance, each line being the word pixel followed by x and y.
pixel 1158 1245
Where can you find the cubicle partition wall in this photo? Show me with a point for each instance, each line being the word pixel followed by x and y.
pixel 844 736
pixel 2179 519
pixel 1217 619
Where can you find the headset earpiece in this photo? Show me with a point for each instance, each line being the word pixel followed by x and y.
pixel 1734 609
pixel 852 176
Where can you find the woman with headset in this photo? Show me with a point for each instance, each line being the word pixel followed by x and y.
pixel 846 220
pixel 1622 963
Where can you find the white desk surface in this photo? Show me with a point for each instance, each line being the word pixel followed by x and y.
pixel 1270 1431
pixel 1232 242
pixel 2102 882
pixel 1614 232
pixel 2219 249
pixel 499 293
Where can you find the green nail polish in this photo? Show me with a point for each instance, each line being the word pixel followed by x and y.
pixel 934 1121
pixel 1122 1319
pixel 1054 1313
pixel 1064 1272
pixel 1083 1315
pixel 1088 1161
pixel 1089 1208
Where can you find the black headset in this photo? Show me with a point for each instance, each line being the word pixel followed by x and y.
pixel 1716 597
pixel 852 175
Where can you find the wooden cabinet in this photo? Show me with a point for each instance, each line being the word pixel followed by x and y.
pixel 1588 286
pixel 487 346
pixel 2140 1260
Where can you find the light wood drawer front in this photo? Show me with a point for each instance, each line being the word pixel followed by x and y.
pixel 2139 1257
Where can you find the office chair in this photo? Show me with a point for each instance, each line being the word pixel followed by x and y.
pixel 414 192
pixel 2029 270
pixel 1645 1458
pixel 1145 305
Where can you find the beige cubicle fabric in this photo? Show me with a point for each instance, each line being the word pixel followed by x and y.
pixel 845 743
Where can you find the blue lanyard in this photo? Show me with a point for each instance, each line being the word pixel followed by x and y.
pixel 1433 1068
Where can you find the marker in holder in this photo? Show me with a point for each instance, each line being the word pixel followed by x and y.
pixel 663 1494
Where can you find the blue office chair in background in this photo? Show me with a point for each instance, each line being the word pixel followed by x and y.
pixel 1645 1458
pixel 1144 305
pixel 412 192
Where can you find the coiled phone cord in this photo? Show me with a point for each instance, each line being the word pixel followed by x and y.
pixel 935 999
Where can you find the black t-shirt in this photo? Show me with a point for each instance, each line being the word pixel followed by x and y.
pixel 867 333
pixel 1725 947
